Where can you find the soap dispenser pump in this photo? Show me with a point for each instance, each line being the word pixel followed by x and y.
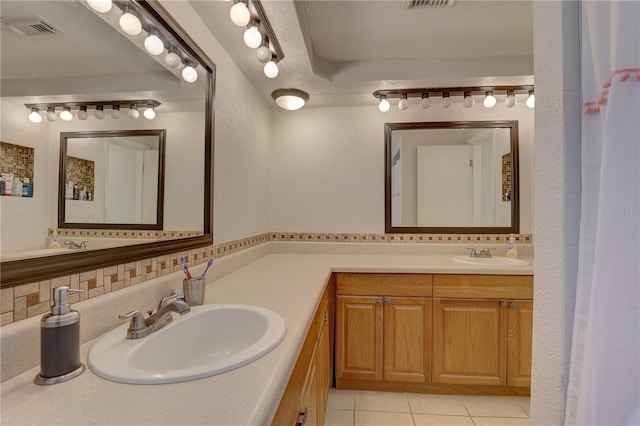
pixel 60 341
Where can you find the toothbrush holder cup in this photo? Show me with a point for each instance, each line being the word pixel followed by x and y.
pixel 194 290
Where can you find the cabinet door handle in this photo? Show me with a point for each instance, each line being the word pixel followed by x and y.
pixel 514 305
pixel 379 301
pixel 387 300
pixel 504 304
pixel 302 414
pixel 326 318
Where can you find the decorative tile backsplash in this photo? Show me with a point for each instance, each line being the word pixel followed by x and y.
pixel 28 300
pixel 17 160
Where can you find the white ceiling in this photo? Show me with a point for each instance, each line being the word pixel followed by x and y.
pixel 341 51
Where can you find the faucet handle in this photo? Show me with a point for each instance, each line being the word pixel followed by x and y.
pixel 137 320
pixel 175 294
pixel 473 253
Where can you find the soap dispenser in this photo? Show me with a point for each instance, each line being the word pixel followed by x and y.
pixel 60 341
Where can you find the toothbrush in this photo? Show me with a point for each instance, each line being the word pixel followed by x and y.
pixel 207 268
pixel 185 268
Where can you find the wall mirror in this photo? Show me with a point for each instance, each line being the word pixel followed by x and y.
pixel 112 179
pixel 84 57
pixel 452 177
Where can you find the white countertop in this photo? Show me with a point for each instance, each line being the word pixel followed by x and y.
pixel 290 284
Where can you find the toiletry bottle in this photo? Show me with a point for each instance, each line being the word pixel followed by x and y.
pixel 54 240
pixel 60 341
pixel 26 188
pixel 16 187
pixel 511 248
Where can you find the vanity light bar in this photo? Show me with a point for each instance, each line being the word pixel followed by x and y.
pixel 82 107
pixel 448 92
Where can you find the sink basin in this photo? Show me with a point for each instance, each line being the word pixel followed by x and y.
pixel 39 252
pixel 491 261
pixel 209 340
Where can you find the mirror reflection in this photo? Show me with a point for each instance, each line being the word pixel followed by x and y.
pixel 112 178
pixel 453 177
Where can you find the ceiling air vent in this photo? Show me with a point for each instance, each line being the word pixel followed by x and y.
pixel 31 26
pixel 410 4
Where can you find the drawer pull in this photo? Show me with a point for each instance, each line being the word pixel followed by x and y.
pixel 504 304
pixel 302 414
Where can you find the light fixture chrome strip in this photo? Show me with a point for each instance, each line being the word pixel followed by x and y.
pixel 123 103
pixel 256 5
pixel 452 91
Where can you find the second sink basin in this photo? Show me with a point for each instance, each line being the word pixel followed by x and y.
pixel 491 261
pixel 209 340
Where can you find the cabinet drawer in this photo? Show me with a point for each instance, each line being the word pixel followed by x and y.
pixel 416 285
pixel 483 286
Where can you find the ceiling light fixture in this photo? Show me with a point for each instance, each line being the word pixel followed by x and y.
pixel 66 115
pixel 115 112
pixel 252 37
pixel 531 100
pixel 34 115
pixel 172 60
pixel 403 104
pixel 264 53
pixel 82 113
pixel 240 14
pixel 468 100
pixel 511 100
pixel 425 103
pixel 446 100
pixel 51 114
pixel 290 99
pixel 153 44
pixel 133 112
pixel 101 6
pixel 384 104
pixel 130 23
pixel 489 100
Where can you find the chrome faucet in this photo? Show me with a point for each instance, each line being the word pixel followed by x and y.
pixel 484 253
pixel 74 245
pixel 140 326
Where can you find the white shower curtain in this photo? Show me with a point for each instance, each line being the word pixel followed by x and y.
pixel 604 378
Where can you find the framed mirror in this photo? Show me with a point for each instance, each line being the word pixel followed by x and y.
pixel 112 179
pixel 454 177
pixel 88 60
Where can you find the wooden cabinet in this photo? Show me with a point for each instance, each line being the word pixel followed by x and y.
pixel 383 328
pixel 305 398
pixel 482 341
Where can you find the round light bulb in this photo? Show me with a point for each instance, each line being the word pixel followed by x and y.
pixel 34 115
pixel 489 100
pixel 115 112
pixel 511 101
pixel 66 115
pixel 403 104
pixel 51 114
pixel 149 113
pixel 172 60
pixel 446 102
pixel 189 74
pixel 252 37
pixel 102 6
pixel 130 24
pixel 271 69
pixel 82 113
pixel 263 54
pixel 133 112
pixel 531 100
pixel 384 105
pixel 425 103
pixel 239 14
pixel 99 113
pixel 153 44
pixel 468 101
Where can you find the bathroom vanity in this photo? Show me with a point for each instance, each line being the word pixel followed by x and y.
pixel 418 303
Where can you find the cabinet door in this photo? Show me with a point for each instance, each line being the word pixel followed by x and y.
pixel 407 339
pixel 309 398
pixel 520 342
pixel 469 342
pixel 359 338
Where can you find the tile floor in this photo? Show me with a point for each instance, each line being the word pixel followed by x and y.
pixel 360 408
